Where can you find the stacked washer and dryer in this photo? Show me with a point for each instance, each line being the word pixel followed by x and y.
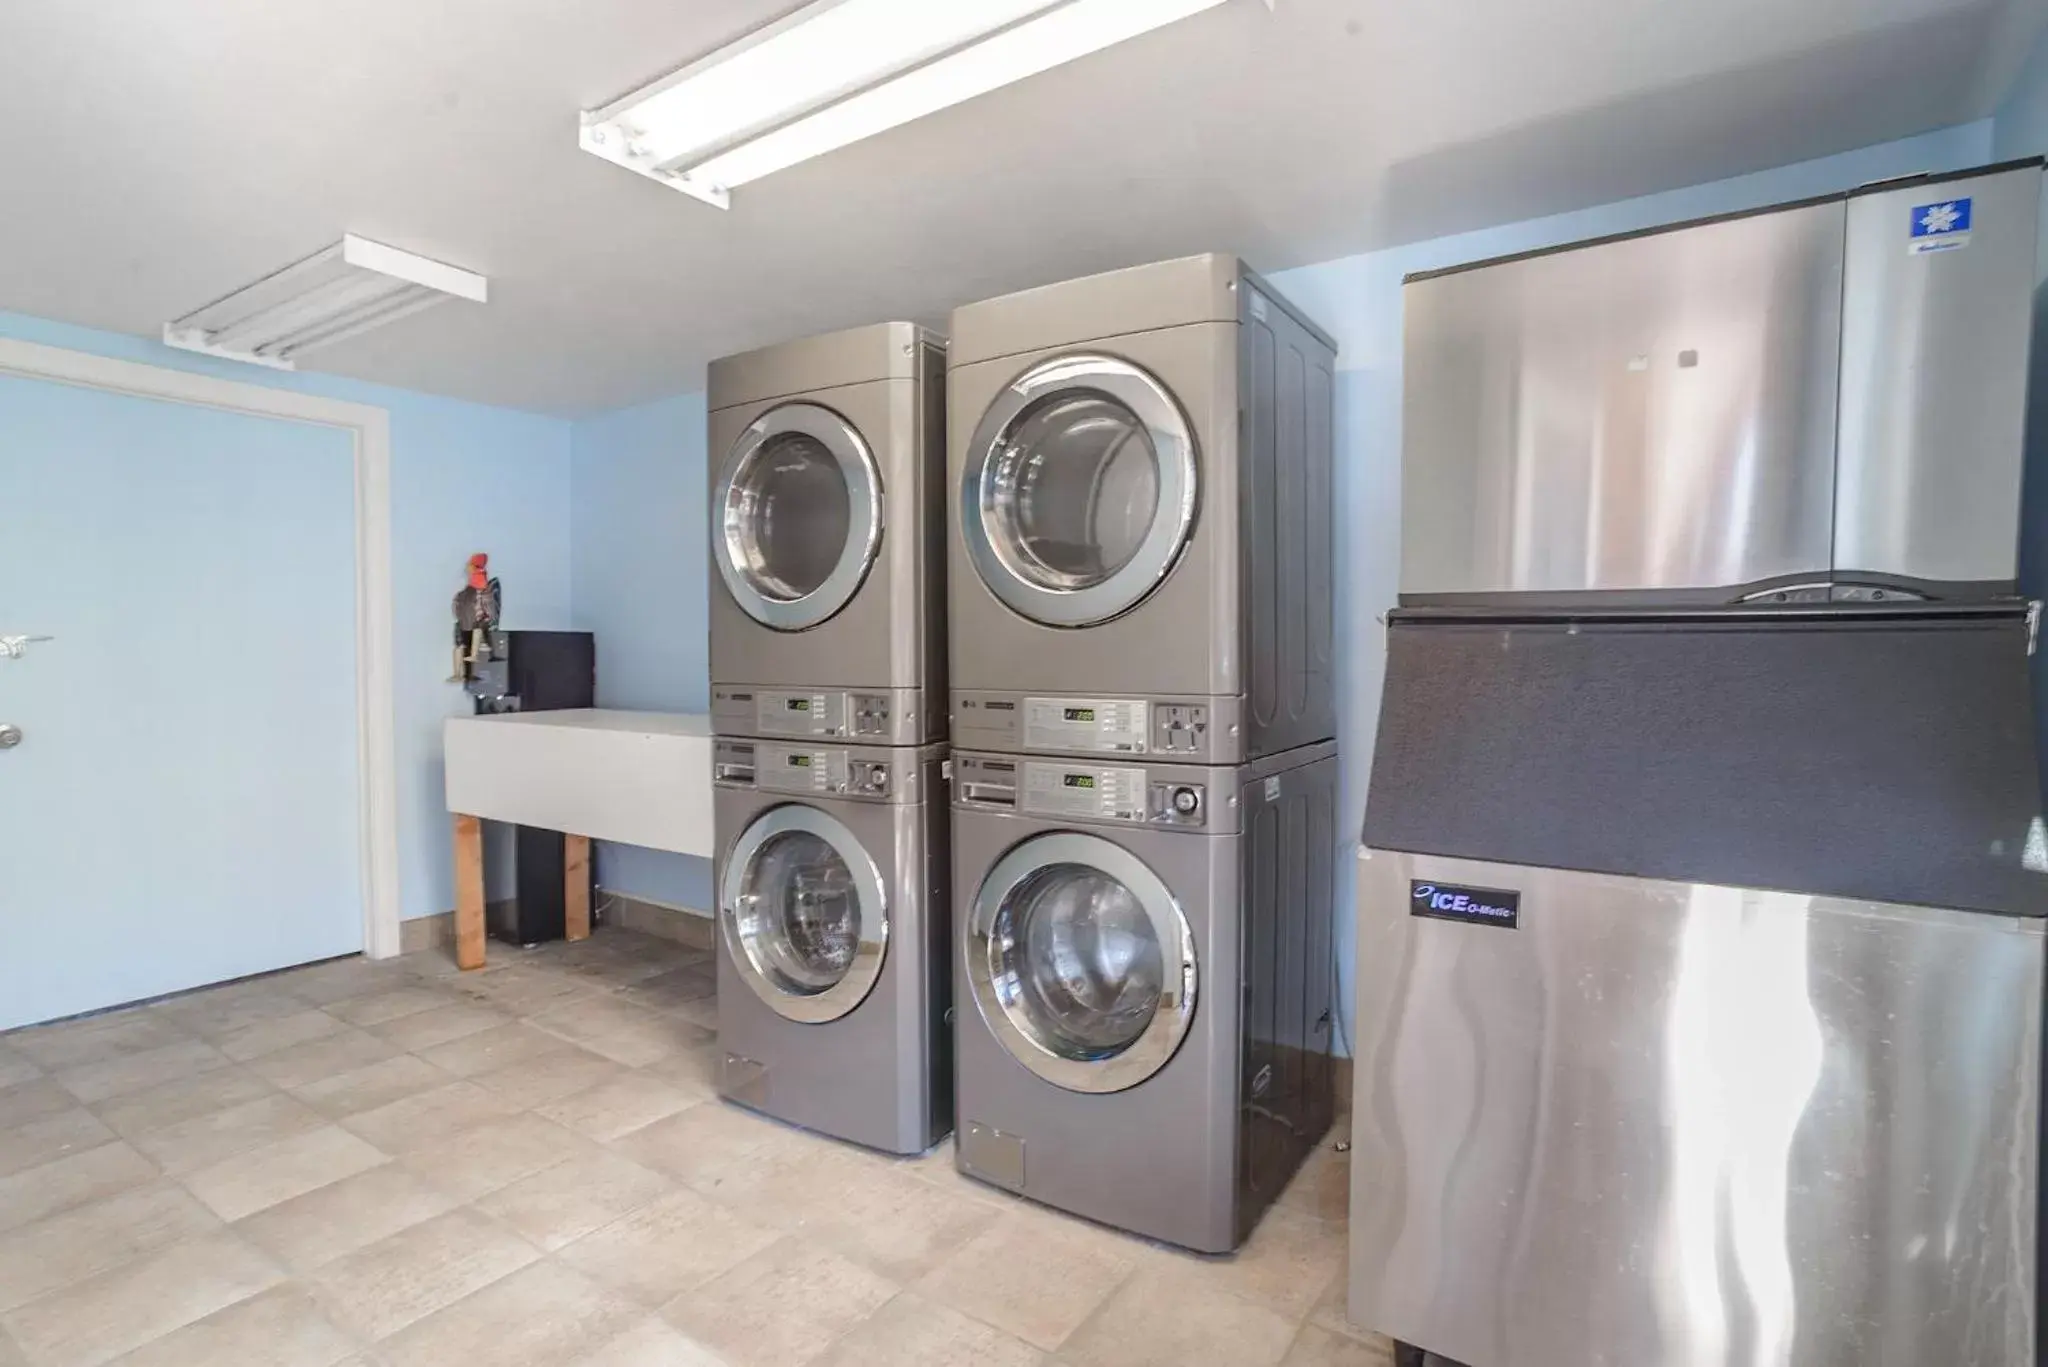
pixel 1144 782
pixel 829 706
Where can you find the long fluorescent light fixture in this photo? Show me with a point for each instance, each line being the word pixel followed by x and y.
pixel 837 71
pixel 349 288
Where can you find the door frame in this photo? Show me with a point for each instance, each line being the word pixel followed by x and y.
pixel 369 432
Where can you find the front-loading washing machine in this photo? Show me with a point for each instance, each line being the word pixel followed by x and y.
pixel 827 538
pixel 1139 470
pixel 834 975
pixel 1146 984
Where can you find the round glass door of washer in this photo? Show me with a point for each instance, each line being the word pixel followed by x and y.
pixel 1081 962
pixel 798 516
pixel 1080 490
pixel 802 913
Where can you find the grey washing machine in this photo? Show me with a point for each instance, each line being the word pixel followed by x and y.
pixel 1145 979
pixel 827 474
pixel 833 971
pixel 1140 475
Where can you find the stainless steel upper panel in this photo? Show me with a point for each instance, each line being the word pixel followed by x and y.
pixel 880 351
pixel 1655 414
pixel 1934 381
pixel 1680 1125
pixel 1213 288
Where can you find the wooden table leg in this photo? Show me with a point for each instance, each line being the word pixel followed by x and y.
pixel 576 895
pixel 469 892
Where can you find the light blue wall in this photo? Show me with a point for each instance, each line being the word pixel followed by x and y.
pixel 638 531
pixel 464 478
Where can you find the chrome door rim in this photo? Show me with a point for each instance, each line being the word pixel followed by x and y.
pixel 866 970
pixel 1162 1037
pixel 864 516
pixel 1173 446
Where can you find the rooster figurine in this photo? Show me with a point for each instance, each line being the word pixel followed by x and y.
pixel 476 619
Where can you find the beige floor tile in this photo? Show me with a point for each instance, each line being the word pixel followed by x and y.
pixel 702 1013
pixel 782 1307
pixel 10 1356
pixel 912 1332
pixel 579 1196
pixel 1333 1309
pixel 344 980
pixel 342 1052
pixel 1157 1319
pixel 702 1144
pixel 259 1038
pixel 485 1157
pixel 96 1082
pixel 399 1280
pixel 115 1312
pixel 501 1046
pixel 1032 1273
pixel 32 1099
pixel 442 1025
pixel 193 1144
pixel 221 1012
pixel 96 1039
pixel 429 1118
pixel 650 1343
pixel 1322 1188
pixel 313 1230
pixel 695 1068
pixel 897 1225
pixel 620 1031
pixel 538 1081
pixel 619 1105
pixel 86 1240
pixel 393 1004
pixel 525 991
pixel 674 1245
pixel 173 1103
pixel 672 987
pixel 282 1327
pixel 1286 1264
pixel 240 1186
pixel 541 1316
pixel 376 1084
pixel 33 1194
pixel 1316 1346
pixel 50 1137
pixel 16 1069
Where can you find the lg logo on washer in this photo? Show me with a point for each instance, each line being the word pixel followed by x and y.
pixel 1479 906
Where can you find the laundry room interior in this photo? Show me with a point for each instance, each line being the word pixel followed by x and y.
pixel 1272 683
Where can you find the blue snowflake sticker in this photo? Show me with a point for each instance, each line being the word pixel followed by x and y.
pixel 1940 227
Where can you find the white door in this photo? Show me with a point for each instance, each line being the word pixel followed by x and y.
pixel 182 808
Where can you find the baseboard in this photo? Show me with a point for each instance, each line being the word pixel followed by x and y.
pixel 684 925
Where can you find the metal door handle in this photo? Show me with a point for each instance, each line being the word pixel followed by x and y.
pixel 14 647
pixel 10 736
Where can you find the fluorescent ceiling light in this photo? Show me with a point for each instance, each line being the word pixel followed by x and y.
pixel 837 71
pixel 349 288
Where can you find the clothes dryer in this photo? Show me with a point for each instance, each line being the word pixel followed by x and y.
pixel 827 532
pixel 1140 501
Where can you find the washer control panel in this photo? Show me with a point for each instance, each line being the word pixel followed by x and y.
pixel 815 771
pixel 1097 725
pixel 1178 796
pixel 1175 730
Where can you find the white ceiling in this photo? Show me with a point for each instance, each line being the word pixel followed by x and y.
pixel 155 154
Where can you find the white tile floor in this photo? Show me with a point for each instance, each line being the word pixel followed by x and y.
pixel 396 1165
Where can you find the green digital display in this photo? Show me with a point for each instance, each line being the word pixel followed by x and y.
pixel 799 761
pixel 1080 714
pixel 1078 780
pixel 796 704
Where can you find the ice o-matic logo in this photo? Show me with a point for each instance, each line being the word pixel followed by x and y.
pixel 1940 227
pixel 1481 906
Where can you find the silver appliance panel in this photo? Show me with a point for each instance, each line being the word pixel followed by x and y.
pixel 1935 328
pixel 1179 797
pixel 1687 1125
pixel 879 716
pixel 1654 413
